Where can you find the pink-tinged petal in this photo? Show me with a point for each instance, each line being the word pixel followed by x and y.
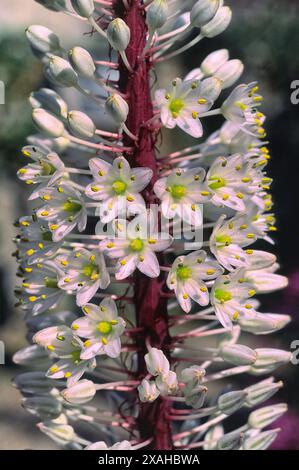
pixel 223 317
pixel 183 298
pixel 86 293
pixel 112 349
pixel 160 187
pixel 190 125
pixel 98 166
pixel 160 97
pixel 150 265
pixel 96 347
pixel 167 118
pixel 162 242
pixel 111 312
pixel 193 289
pixel 115 248
pixel 111 208
pixel 92 312
pixel 122 167
pixel 167 207
pixel 97 191
pixel 84 327
pixel 142 178
pixel 126 266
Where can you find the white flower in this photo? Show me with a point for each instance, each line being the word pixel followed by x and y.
pixel 182 106
pixel 181 193
pixel 193 375
pixel 240 108
pixel 156 362
pixel 63 344
pixel 64 210
pixel 39 291
pixel 232 180
pixel 46 169
pixel 101 445
pixel 167 383
pixel 35 242
pixel 116 186
pixel 102 327
pixel 83 272
pixel 136 245
pixel 187 276
pixel 148 391
pixel 229 297
pixel 228 240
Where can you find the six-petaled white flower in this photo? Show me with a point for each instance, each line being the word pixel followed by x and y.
pixel 117 186
pixel 83 272
pixel 102 328
pixel 64 209
pixel 183 104
pixel 187 276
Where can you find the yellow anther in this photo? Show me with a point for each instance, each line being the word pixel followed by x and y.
pixel 94 277
pixel 246 180
pixel 50 347
pixel 75 327
pixel 26 153
pixel 194 114
pixel 101 173
pixel 110 245
pixel 60 189
pixel 53 227
pixel 26 285
pixel 29 182
pixel 44 213
pixel 152 241
pixel 243 227
pixel 193 207
pixel 92 258
pixel 46 197
pixel 32 298
pixel 205 193
pixel 251 292
pixel 249 252
pixel 185 296
pixel 30 252
pixel 86 310
pixel 231 225
pixel 67 375
pixel 237 257
pixel 53 369
pixel 240 195
pixel 41 245
pixel 114 322
pixel 43 296
pixel 201 101
pixel 104 341
pixel 87 343
pixel 24 223
pixel 95 189
pixel 130 199
pixel 210 272
pixel 225 197
pixel 28 270
pixel 248 306
pixel 141 258
pixel 67 280
pixel 250 236
pixel 123 262
pixel 64 262
pixel 236 316
pixel 203 289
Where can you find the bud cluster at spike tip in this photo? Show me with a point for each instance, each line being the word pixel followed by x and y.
pixel 79 168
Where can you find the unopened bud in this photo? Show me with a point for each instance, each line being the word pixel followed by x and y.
pixel 148 391
pixel 230 72
pixel 84 8
pixel 156 362
pixel 32 356
pixel 218 24
pixel 211 88
pixel 81 125
pixel 262 391
pixel 58 430
pixel 203 11
pixel 118 34
pixel 213 61
pixel 193 375
pixel 261 441
pixel 231 441
pixel 157 14
pixel 263 323
pixel 230 402
pixel 81 392
pixel 262 417
pixel 54 5
pixel 47 123
pixel 213 436
pixel 238 354
pixel 82 62
pixel 42 39
pixel 49 100
pixel 117 108
pixel 33 382
pixel 63 72
pixel 271 357
pixel 46 407
pixel 195 396
pixel 167 384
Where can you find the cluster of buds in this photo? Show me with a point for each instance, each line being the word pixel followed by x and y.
pixel 141 300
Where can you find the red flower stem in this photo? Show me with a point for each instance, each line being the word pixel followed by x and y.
pixel 150 305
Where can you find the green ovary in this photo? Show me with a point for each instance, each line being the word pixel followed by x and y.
pixel 176 107
pixel 136 245
pixel 90 270
pixel 72 207
pixel 217 183
pixel 119 187
pixel 184 273
pixel 223 295
pixel 76 356
pixel 223 239
pixel 104 327
pixel 47 169
pixel 178 191
pixel 47 236
pixel 51 282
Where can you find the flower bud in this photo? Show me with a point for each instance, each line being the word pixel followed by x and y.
pixel 156 362
pixel 81 125
pixel 263 323
pixel 54 5
pixel 230 402
pixel 46 407
pixel 58 430
pixel 230 441
pixel 218 24
pixel 49 100
pixel 32 356
pixel 261 441
pixel 148 391
pixel 167 384
pixel 33 382
pixel 193 375
pixel 262 417
pixel 271 357
pixel 262 391
pixel 238 354
pixel 195 396
pixel 211 88
pixel 84 8
pixel 231 336
pixel 213 61
pixel 157 14
pixel 82 62
pixel 118 34
pixel 47 123
pixel 230 72
pixel 42 39
pixel 212 437
pixel 203 11
pixel 117 108
pixel 63 72
pixel 82 392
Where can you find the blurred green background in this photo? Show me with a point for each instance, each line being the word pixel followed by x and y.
pixel 264 34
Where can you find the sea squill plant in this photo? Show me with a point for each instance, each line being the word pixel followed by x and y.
pixel 154 253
